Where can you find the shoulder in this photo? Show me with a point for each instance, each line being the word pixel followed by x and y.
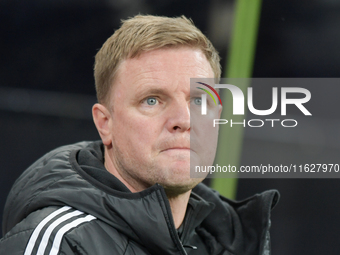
pixel 266 200
pixel 238 225
pixel 50 168
pixel 62 230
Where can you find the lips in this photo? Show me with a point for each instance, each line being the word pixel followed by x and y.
pixel 178 143
pixel 176 148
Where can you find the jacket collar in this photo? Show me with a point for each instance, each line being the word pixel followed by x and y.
pixel 59 179
pixel 223 224
pixel 144 216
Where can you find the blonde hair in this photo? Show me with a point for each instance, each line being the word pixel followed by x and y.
pixel 144 33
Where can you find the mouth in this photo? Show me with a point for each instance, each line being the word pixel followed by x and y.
pixel 177 153
pixel 177 148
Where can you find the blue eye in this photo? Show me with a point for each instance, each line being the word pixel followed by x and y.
pixel 151 101
pixel 198 101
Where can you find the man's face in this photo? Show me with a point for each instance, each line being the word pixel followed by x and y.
pixel 150 119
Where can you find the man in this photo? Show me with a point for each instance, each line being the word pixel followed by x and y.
pixel 131 193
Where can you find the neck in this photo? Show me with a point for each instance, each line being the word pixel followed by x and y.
pixel 111 168
pixel 178 206
pixel 178 203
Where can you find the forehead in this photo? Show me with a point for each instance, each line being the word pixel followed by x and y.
pixel 162 67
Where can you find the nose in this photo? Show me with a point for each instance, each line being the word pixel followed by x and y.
pixel 179 116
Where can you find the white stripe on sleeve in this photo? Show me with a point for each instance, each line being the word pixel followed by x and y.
pixel 36 232
pixel 59 236
pixel 49 230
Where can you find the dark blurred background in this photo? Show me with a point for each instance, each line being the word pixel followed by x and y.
pixel 47 89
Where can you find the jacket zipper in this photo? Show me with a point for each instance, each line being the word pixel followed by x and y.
pixel 170 222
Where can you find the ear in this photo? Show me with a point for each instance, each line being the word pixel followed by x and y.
pixel 219 111
pixel 102 118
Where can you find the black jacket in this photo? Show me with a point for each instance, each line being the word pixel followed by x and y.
pixel 67 203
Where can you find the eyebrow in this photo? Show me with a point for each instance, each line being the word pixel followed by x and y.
pixel 147 91
pixel 195 91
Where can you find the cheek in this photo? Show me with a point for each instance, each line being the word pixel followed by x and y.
pixel 205 124
pixel 137 133
pixel 204 136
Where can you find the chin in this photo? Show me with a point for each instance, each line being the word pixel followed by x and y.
pixel 175 189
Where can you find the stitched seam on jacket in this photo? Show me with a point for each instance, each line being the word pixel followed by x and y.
pixel 77 243
pixel 83 249
pixel 14 234
pixel 128 241
pixel 38 193
pixel 42 164
pixel 19 191
pixel 165 212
